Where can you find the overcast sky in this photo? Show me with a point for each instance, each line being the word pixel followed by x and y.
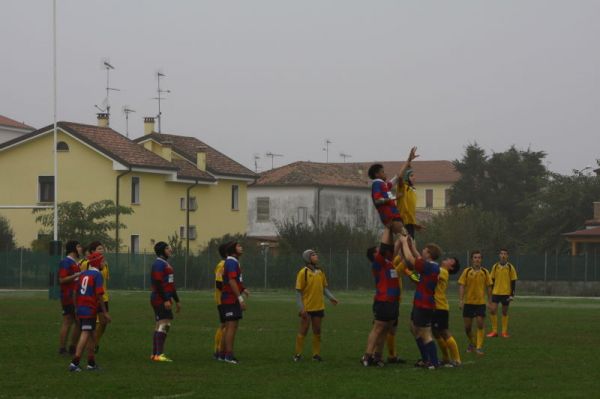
pixel 373 76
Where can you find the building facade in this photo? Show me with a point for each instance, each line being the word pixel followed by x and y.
pixel 311 193
pixel 167 188
pixel 11 129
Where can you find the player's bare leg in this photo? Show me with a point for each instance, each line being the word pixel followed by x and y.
pixel 67 322
pixel 468 330
pixel 316 343
pixel 230 331
pixel 494 319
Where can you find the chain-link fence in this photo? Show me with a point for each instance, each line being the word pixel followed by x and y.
pixel 347 269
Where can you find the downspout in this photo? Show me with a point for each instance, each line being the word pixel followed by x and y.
pixel 117 214
pixel 187 230
pixel 319 188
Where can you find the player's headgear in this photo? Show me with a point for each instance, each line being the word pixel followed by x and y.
pixel 230 249
pixel 71 246
pixel 307 254
pixel 407 174
pixel 386 249
pixel 160 248
pixel 456 266
pixel 374 169
pixel 95 259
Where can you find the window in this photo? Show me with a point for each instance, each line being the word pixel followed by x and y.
pixel 46 188
pixel 235 191
pixel 262 209
pixel 429 198
pixel 135 244
pixel 302 215
pixel 192 231
pixel 447 197
pixel 62 146
pixel 193 203
pixel 135 190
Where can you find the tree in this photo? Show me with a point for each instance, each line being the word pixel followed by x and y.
pixel 563 206
pixel 176 244
pixel 84 224
pixel 7 237
pixel 462 229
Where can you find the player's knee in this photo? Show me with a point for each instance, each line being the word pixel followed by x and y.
pixel 164 327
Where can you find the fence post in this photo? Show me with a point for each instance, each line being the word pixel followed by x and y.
pixel 21 268
pixel 585 267
pixel 347 267
pixel 545 265
pixel 144 271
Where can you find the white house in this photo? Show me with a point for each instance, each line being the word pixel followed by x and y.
pixel 312 193
pixel 10 129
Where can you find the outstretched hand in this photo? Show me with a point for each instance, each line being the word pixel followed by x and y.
pixel 413 154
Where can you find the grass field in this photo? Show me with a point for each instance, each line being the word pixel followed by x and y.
pixel 553 353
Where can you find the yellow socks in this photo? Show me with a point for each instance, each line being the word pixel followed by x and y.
pixel 504 324
pixel 316 344
pixel 494 319
pixel 443 348
pixel 391 344
pixel 299 344
pixel 480 335
pixel 218 336
pixel 453 349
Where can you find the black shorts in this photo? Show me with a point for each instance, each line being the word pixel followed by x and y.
pixel 230 312
pixel 160 313
pixel 221 318
pixel 503 299
pixel 68 310
pixel 316 313
pixel 440 320
pixel 423 317
pixel 87 324
pixel 100 308
pixel 471 311
pixel 386 311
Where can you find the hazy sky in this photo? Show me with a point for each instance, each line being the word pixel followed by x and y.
pixel 373 76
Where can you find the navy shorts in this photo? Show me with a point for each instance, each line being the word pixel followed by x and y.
pixel 230 312
pixel 87 324
pixel 422 317
pixel 386 311
pixel 68 310
pixel 471 311
pixel 160 313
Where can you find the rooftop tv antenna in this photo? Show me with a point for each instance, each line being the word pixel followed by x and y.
pixel 105 106
pixel 256 158
pixel 344 156
pixel 272 156
pixel 160 91
pixel 127 111
pixel 326 149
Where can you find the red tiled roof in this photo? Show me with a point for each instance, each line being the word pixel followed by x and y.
pixel 352 174
pixel 4 121
pixel 116 146
pixel 216 162
pixel 189 171
pixel 593 232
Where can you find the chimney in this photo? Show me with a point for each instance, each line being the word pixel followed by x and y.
pixel 167 150
pixel 102 119
pixel 148 124
pixel 201 158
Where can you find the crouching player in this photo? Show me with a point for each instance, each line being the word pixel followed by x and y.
pixel 89 298
pixel 441 332
pixel 162 297
pixel 386 301
pixel 311 286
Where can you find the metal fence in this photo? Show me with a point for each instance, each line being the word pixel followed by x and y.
pixel 347 269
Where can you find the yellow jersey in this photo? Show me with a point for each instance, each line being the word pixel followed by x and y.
pixel 441 301
pixel 84 265
pixel 502 276
pixel 475 283
pixel 219 281
pixel 407 202
pixel 400 269
pixel 311 284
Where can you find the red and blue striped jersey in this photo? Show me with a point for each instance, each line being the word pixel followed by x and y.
pixel 89 286
pixel 387 283
pixel 231 271
pixel 388 211
pixel 67 267
pixel 162 274
pixel 425 290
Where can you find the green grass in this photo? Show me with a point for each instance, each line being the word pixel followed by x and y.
pixel 553 353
